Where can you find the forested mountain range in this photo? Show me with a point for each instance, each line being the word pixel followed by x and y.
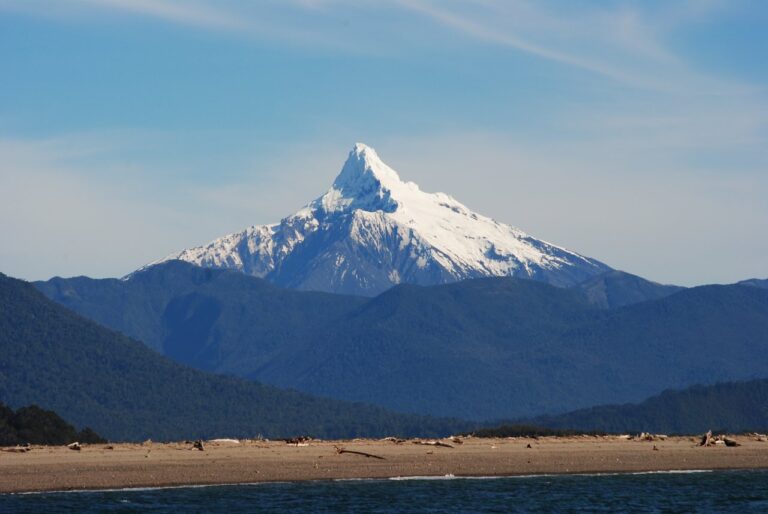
pixel 96 377
pixel 478 349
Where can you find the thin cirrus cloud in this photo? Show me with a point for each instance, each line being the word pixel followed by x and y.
pixel 620 43
pixel 623 43
pixel 187 13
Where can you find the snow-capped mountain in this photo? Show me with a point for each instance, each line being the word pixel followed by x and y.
pixel 371 230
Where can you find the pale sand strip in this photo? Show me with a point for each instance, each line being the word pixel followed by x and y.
pixel 173 464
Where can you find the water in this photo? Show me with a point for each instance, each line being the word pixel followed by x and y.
pixel 730 491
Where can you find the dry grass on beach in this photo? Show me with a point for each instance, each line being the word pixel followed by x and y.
pixel 171 464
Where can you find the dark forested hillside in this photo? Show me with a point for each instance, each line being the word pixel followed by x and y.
pixel 617 288
pixel 187 312
pixel 94 377
pixel 34 425
pixel 732 406
pixel 479 349
pixel 755 282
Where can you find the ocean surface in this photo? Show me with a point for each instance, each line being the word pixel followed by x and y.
pixel 729 491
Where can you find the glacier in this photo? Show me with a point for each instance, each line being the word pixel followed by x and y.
pixel 371 230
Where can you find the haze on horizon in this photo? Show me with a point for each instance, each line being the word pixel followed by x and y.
pixel 632 132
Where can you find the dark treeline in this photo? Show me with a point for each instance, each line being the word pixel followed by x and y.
pixel 522 430
pixel 34 425
pixel 724 407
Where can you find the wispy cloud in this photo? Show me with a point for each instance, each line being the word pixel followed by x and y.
pixel 487 33
pixel 624 42
pixel 242 19
pixel 621 43
pixel 187 12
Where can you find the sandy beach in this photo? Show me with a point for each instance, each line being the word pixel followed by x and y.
pixel 173 464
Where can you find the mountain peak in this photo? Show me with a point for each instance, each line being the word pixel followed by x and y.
pixel 371 230
pixel 363 164
pixel 365 182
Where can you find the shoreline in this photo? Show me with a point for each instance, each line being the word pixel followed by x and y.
pixel 383 479
pixel 174 465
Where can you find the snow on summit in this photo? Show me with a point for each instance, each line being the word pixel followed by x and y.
pixel 372 230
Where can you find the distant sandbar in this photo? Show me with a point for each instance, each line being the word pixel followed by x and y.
pixel 228 462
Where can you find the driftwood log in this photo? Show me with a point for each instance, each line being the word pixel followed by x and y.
pixel 355 452
pixel 17 449
pixel 706 439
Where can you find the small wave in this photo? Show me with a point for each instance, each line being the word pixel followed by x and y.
pixel 673 472
pixel 449 476
pixel 139 489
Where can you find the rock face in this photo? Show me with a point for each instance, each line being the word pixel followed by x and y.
pixel 371 230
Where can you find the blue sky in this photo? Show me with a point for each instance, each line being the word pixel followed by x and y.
pixel 632 132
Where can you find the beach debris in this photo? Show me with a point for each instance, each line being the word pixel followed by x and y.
pixel 528 445
pixel 224 441
pixel 761 438
pixel 24 448
pixel 198 445
pixel 709 440
pixel 74 446
pixel 457 440
pixel 655 448
pixel 341 450
pixel 395 440
pixel 646 436
pixel 432 443
pixel 299 441
pixel 109 447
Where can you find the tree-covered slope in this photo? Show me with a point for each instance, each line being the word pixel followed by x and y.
pixel 98 378
pixel 471 348
pixel 617 288
pixel 755 282
pixel 421 349
pixel 188 312
pixel 480 349
pixel 730 406
pixel 34 425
